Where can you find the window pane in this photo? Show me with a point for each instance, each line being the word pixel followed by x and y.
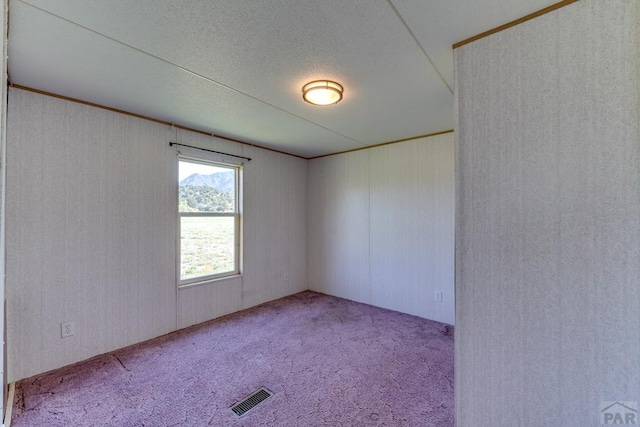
pixel 207 246
pixel 206 188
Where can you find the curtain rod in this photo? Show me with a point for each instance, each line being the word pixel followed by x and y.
pixel 171 144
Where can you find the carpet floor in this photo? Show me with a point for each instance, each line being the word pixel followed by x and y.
pixel 328 361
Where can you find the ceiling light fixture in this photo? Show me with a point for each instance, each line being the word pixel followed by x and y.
pixel 322 92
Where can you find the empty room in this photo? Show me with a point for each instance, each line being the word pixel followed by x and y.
pixel 314 213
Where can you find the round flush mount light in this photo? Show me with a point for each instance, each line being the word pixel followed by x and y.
pixel 322 92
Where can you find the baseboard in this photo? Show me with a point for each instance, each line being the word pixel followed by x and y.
pixel 9 405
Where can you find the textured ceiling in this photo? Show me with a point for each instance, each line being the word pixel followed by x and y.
pixel 236 67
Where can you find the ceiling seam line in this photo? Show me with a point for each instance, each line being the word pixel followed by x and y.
pixel 222 85
pixel 415 39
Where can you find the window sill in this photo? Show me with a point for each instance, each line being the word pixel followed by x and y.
pixel 208 281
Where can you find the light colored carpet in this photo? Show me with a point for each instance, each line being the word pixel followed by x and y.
pixel 329 361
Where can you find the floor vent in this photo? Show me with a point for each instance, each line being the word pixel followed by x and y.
pixel 251 401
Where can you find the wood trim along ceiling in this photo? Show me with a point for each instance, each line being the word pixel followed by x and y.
pixel 139 116
pixel 383 143
pixel 514 23
pixel 455 46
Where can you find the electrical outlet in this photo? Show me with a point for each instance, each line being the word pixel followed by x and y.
pixel 67 329
pixel 437 296
pixel 286 277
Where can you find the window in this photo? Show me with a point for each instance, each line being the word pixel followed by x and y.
pixel 208 206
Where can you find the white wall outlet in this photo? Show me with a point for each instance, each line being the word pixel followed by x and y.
pixel 437 296
pixel 286 277
pixel 67 329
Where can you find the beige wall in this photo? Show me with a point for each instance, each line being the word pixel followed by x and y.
pixel 548 218
pixel 91 232
pixel 381 226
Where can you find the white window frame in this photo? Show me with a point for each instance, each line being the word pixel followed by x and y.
pixel 237 231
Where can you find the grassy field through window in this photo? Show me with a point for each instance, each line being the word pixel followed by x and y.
pixel 206 246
